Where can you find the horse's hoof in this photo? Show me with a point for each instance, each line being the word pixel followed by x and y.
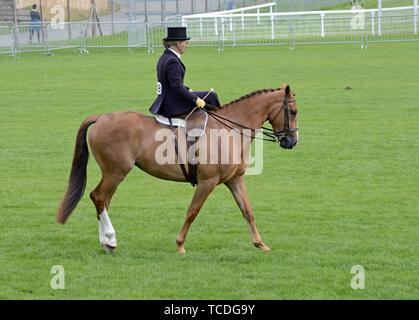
pixel 262 247
pixel 181 249
pixel 108 248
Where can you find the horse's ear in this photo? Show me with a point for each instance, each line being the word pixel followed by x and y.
pixel 287 90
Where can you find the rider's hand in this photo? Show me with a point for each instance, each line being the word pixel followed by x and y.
pixel 200 103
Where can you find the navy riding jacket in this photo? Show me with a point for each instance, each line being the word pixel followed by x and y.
pixel 173 97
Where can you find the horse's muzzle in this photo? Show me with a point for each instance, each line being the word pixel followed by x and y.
pixel 288 142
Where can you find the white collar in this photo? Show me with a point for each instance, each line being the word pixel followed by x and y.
pixel 175 52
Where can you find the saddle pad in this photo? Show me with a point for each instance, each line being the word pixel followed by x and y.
pixel 177 122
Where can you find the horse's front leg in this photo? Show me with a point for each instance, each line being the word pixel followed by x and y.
pixel 238 189
pixel 202 191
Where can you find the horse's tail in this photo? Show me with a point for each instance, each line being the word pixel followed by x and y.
pixel 78 174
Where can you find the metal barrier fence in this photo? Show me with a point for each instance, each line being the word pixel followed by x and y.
pixel 219 32
pixel 313 27
pixel 376 15
pixel 115 35
pixel 47 37
pixel 6 39
pixel 299 30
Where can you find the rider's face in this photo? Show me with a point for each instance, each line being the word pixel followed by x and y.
pixel 182 45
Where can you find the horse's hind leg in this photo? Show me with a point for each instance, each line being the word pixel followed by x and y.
pixel 101 197
pixel 238 189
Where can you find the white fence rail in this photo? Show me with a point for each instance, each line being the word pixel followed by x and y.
pixel 257 8
pixel 243 10
pixel 357 16
pixel 221 30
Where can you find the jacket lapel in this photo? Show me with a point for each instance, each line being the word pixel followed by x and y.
pixel 167 51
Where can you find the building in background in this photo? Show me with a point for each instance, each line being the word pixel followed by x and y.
pixel 9 13
pixel 122 10
pixel 74 4
pixel 148 10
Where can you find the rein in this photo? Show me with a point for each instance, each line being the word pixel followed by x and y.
pixel 274 136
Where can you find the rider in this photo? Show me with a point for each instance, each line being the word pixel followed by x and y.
pixel 173 97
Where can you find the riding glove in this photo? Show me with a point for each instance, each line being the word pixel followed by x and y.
pixel 200 103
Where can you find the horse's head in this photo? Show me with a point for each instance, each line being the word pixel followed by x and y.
pixel 283 119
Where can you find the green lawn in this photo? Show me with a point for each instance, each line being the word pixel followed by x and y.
pixel 372 4
pixel 347 195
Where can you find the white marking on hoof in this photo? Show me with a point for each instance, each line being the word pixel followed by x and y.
pixel 107 235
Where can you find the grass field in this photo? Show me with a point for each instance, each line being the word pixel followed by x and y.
pixel 373 4
pixel 347 195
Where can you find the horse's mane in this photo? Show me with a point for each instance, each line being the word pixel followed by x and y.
pixel 249 95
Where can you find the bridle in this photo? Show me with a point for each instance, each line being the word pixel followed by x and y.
pixel 273 136
pixel 278 135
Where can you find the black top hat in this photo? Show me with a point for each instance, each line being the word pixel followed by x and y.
pixel 176 33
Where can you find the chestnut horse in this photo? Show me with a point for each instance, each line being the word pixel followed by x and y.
pixel 121 140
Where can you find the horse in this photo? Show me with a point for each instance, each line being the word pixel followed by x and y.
pixel 121 140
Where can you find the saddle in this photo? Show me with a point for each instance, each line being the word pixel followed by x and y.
pixel 194 125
